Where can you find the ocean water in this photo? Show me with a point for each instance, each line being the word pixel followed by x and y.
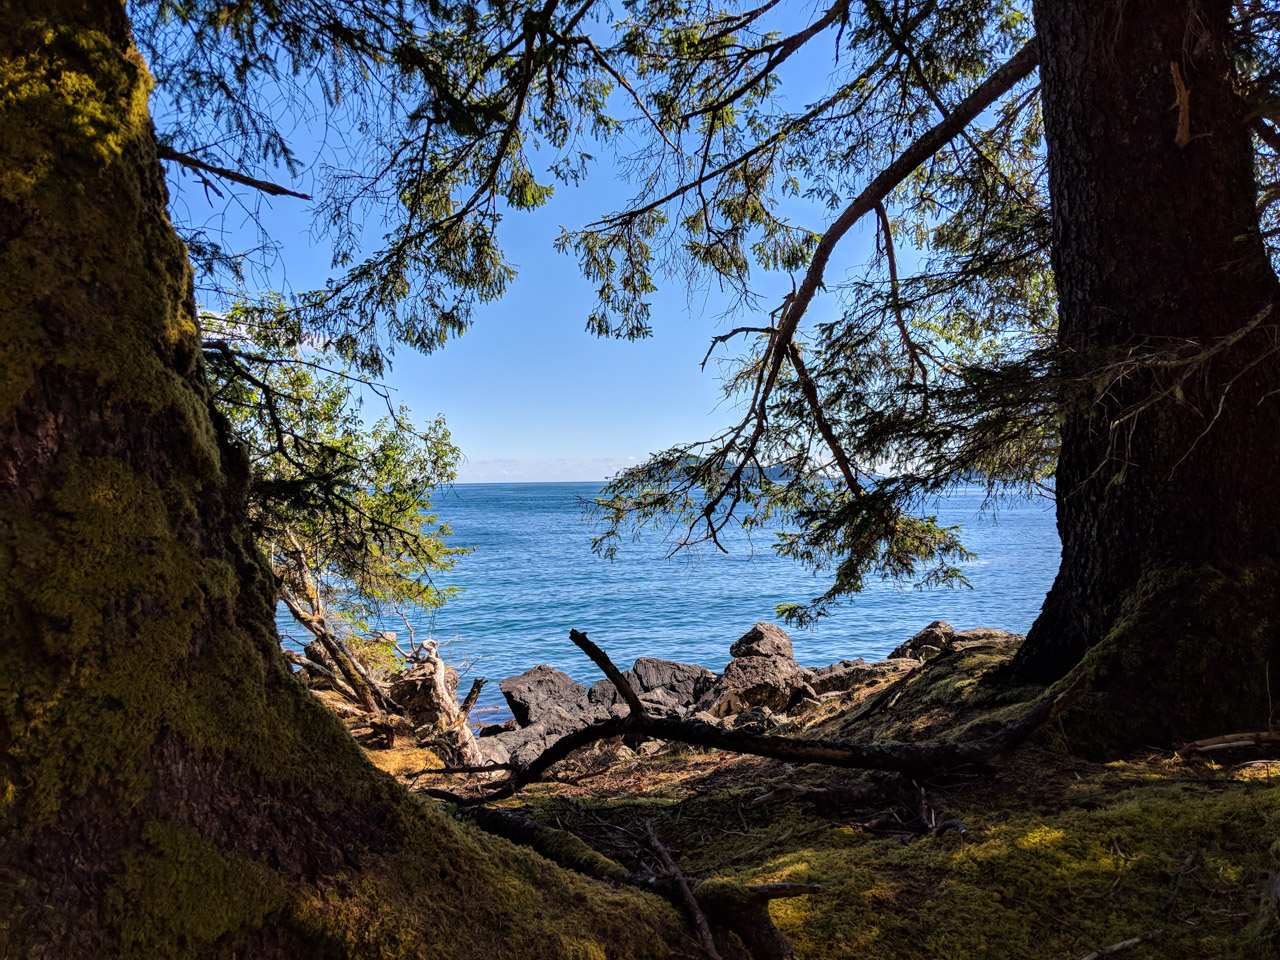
pixel 532 577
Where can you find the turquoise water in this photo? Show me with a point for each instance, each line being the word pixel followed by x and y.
pixel 532 577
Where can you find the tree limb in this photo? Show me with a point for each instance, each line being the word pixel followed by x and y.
pixel 911 758
pixel 601 660
pixel 165 152
pixel 1000 82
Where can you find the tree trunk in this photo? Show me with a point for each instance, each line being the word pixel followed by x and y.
pixel 1169 517
pixel 167 788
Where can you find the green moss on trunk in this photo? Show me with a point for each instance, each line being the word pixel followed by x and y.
pixel 166 788
pixel 1193 653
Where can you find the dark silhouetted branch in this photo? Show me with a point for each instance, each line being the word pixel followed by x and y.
pixel 165 152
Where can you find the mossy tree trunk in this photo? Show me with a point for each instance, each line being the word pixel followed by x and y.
pixel 1169 517
pixel 166 787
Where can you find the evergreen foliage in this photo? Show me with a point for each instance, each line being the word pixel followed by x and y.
pixel 339 506
pixel 934 362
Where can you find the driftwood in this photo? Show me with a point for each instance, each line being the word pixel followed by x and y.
pixel 321 672
pixel 473 694
pixel 1230 741
pixel 433 697
pixel 909 758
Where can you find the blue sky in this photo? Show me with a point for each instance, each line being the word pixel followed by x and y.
pixel 529 395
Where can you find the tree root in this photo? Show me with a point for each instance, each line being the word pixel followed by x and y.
pixel 720 904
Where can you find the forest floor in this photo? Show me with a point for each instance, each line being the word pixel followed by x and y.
pixel 1048 854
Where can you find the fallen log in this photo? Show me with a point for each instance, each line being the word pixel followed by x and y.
pixel 916 759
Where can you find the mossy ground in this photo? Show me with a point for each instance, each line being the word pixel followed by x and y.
pixel 1062 855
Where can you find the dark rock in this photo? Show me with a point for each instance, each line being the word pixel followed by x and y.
pixel 756 720
pixel 763 640
pixel 685 681
pixel 663 703
pixel 709 718
pixel 803 691
pixel 604 693
pixel 986 637
pixel 493 729
pixel 804 705
pixel 528 742
pixel 493 750
pixel 929 642
pixel 665 683
pixel 752 682
pixel 534 693
pixel 848 675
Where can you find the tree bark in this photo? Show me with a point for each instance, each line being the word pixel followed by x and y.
pixel 1166 480
pixel 167 788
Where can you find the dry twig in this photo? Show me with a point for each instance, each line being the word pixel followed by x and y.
pixel 686 894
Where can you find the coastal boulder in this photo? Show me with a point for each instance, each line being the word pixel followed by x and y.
pixel 526 743
pixel 929 642
pixel 987 637
pixel 665 684
pixel 604 693
pixel 753 682
pixel 535 692
pixel 763 640
pixel 685 682
pixel 852 674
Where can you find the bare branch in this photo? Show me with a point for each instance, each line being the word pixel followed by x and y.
pixel 472 695
pixel 601 660
pixel 914 758
pixel 996 85
pixel 687 898
pixel 165 152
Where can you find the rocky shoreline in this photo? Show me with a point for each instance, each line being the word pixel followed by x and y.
pixel 758 689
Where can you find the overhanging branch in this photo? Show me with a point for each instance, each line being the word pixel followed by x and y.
pixel 165 152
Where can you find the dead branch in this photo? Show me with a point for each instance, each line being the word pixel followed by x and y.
pixel 472 695
pixel 165 152
pixel 1188 865
pixel 322 672
pixel 911 758
pixel 561 846
pixel 601 660
pixel 1230 741
pixel 933 823
pixel 465 768
pixel 687 898
pixel 1000 82
pixel 1123 945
